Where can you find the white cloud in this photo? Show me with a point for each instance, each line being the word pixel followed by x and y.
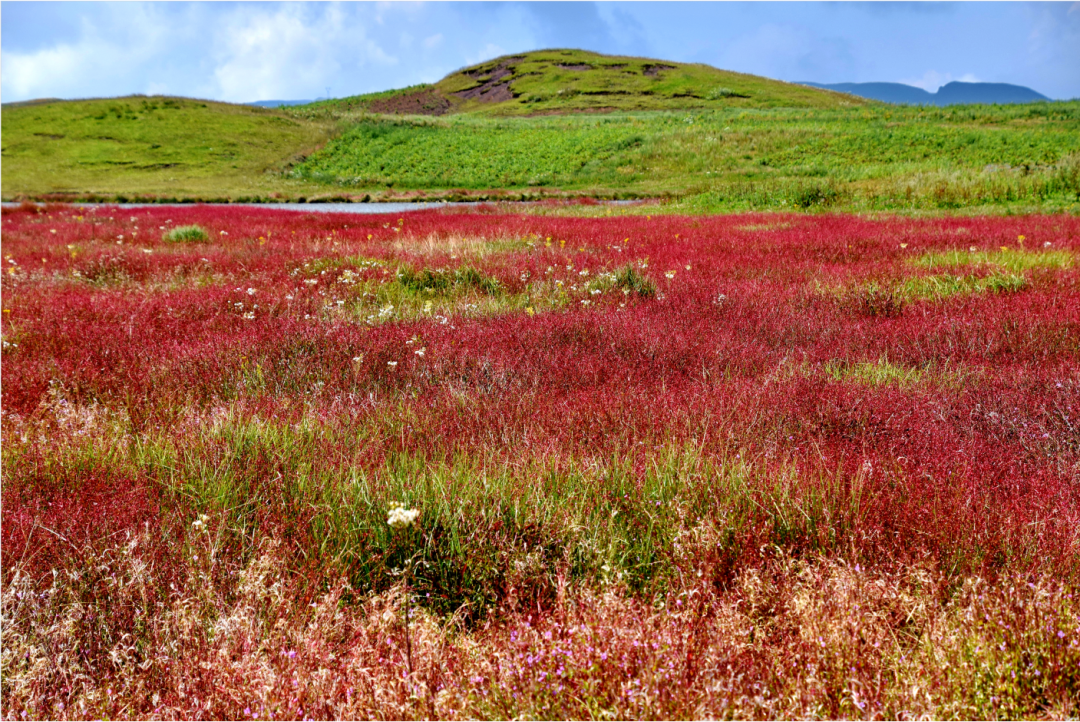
pixel 33 74
pixel 88 66
pixel 433 42
pixel 931 80
pixel 293 51
pixel 789 51
pixel 489 51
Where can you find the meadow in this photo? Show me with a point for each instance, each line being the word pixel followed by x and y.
pixel 155 147
pixel 715 159
pixel 730 160
pixel 263 464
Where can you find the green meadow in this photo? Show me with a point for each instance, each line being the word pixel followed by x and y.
pixel 558 123
pixel 159 147
pixel 861 158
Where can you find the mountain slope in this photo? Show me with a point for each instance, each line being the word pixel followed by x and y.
pixel 543 82
pixel 954 93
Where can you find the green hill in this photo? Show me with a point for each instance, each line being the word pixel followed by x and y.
pixel 152 146
pixel 574 81
pixel 557 123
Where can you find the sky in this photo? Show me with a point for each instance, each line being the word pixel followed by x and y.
pixel 247 51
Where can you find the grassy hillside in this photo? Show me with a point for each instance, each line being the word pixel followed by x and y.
pixel 521 127
pixel 872 157
pixel 573 81
pixel 152 145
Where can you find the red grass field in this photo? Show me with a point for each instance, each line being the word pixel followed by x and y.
pixel 741 466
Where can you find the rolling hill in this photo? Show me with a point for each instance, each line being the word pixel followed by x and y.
pixel 151 147
pixel 555 123
pixel 574 81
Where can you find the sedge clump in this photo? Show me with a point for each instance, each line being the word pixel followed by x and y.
pixel 630 280
pixel 187 234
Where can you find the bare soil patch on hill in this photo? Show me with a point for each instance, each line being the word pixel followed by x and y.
pixel 653 70
pixel 494 89
pixel 423 102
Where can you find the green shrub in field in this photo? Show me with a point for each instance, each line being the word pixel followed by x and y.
pixel 628 279
pixel 187 234
pixel 443 282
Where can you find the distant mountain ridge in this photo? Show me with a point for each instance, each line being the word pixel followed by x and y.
pixel 954 93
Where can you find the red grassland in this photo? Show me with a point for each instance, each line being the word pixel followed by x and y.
pixel 763 465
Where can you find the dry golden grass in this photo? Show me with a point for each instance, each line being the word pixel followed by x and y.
pixel 793 638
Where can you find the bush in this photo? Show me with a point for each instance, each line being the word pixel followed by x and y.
pixel 815 195
pixel 628 279
pixel 442 281
pixel 187 234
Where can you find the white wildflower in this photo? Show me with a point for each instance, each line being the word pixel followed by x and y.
pixel 400 517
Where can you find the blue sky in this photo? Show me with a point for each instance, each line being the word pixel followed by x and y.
pixel 256 51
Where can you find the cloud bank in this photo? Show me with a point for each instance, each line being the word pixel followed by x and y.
pixel 250 51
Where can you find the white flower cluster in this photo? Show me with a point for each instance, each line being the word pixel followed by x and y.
pixel 400 516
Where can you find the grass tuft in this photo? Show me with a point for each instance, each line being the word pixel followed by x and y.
pixel 630 279
pixel 1012 260
pixel 186 234
pixel 938 287
pixel 442 281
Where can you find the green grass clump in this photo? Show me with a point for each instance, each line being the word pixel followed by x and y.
pixel 888 300
pixel 874 373
pixel 442 282
pixel 946 285
pixel 1015 261
pixel 187 234
pixel 628 279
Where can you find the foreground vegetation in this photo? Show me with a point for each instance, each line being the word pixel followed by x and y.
pixel 761 465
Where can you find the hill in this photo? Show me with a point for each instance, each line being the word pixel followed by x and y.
pixel 152 146
pixel 490 132
pixel 955 93
pixel 573 81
